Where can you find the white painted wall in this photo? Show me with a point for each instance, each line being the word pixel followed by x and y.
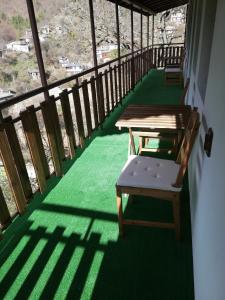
pixel 207 175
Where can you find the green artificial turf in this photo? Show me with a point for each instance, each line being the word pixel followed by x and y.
pixel 66 246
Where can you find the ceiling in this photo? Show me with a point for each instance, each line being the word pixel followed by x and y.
pixel 149 7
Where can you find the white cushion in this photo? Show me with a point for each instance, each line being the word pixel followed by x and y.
pixel 149 172
pixel 173 70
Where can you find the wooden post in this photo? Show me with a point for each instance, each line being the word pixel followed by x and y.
pixel 37 46
pixel 147 32
pixel 132 50
pixel 93 38
pixel 141 65
pixel 118 49
pixel 153 29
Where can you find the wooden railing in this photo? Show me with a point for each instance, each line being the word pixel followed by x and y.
pixel 169 53
pixel 34 144
pixel 41 137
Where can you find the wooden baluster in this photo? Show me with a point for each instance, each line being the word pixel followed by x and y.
pixel 51 120
pixel 68 120
pixel 87 107
pixel 166 58
pixel 18 157
pixel 158 58
pixel 126 77
pixel 5 217
pixel 120 81
pixel 111 87
pixel 101 98
pixel 107 92
pixel 94 101
pixel 11 170
pixel 115 84
pixel 129 75
pixel 78 113
pixel 124 83
pixel 35 144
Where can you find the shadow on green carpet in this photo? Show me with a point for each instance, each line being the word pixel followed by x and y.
pixel 66 246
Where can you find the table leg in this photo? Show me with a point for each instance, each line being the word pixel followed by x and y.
pixel 132 141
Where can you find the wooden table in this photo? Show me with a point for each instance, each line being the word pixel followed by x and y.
pixel 153 118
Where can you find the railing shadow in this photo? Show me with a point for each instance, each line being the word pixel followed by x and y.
pixel 146 263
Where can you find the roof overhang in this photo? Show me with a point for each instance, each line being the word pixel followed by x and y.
pixel 150 7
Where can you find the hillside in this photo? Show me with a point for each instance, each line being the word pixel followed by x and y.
pixel 64 30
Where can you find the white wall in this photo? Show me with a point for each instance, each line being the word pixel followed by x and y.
pixel 207 175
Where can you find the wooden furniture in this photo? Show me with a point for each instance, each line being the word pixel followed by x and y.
pixel 174 70
pixel 158 178
pixel 154 121
pixel 186 86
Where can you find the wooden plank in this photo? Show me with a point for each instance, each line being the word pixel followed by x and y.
pixel 78 113
pixel 53 130
pixel 87 107
pixel 94 101
pixel 36 148
pixel 115 85
pixel 68 120
pixel 111 87
pixel 149 223
pixel 11 170
pixel 18 157
pixel 107 91
pixel 5 217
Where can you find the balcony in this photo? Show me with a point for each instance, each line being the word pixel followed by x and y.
pixel 65 243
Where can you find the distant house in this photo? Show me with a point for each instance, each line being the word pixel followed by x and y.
pixel 19 46
pixel 103 51
pixel 63 60
pixel 6 94
pixel 28 38
pixel 73 68
pixel 34 74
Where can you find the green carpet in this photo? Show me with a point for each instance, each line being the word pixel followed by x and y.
pixel 66 246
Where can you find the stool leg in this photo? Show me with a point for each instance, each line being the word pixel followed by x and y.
pixel 120 211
